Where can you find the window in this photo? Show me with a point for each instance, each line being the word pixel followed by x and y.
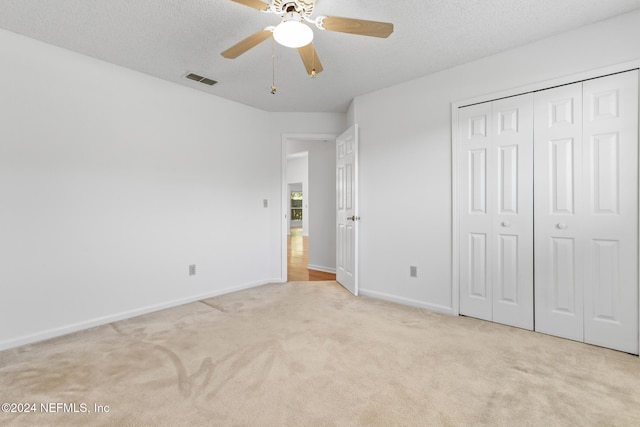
pixel 296 205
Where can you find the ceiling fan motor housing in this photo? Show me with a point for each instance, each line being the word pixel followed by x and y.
pixel 303 7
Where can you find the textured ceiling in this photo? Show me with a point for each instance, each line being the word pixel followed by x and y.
pixel 169 38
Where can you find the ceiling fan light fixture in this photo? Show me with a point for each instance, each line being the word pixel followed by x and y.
pixel 292 32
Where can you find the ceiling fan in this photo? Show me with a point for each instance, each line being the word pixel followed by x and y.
pixel 293 32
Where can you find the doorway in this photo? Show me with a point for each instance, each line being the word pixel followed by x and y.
pixel 308 234
pixel 298 259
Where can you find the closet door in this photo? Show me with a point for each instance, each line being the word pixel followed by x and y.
pixel 496 203
pixel 586 217
pixel 512 240
pixel 610 204
pixel 558 202
pixel 477 203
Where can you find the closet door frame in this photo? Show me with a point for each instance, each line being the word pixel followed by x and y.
pixel 456 140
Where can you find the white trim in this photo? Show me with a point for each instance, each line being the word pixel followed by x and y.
pixel 356 208
pixel 75 327
pixel 321 268
pixel 299 155
pixel 547 84
pixel 406 301
pixel 455 233
pixel 283 195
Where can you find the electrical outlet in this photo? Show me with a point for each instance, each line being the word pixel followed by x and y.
pixel 413 271
pixel 192 270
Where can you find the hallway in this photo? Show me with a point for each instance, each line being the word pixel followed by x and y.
pixel 298 259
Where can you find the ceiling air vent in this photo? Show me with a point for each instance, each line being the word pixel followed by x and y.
pixel 203 80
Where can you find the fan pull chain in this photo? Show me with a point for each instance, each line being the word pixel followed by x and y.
pixel 273 65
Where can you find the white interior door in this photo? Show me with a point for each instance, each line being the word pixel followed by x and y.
pixel 496 211
pixel 558 202
pixel 586 214
pixel 610 211
pixel 476 210
pixel 347 209
pixel 548 211
pixel 513 218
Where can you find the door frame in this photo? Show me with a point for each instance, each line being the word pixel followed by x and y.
pixel 455 181
pixel 320 137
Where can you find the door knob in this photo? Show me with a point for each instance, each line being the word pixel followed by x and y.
pixel 561 226
pixel 506 224
pixel 353 218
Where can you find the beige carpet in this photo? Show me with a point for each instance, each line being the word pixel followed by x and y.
pixel 310 354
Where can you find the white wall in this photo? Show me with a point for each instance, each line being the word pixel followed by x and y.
pixel 351 114
pixel 112 182
pixel 321 201
pixel 298 172
pixel 405 154
pixel 309 123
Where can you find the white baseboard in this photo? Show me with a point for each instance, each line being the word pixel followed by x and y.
pixel 321 268
pixel 406 301
pixel 64 330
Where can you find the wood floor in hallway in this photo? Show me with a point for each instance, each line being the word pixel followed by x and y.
pixel 298 259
